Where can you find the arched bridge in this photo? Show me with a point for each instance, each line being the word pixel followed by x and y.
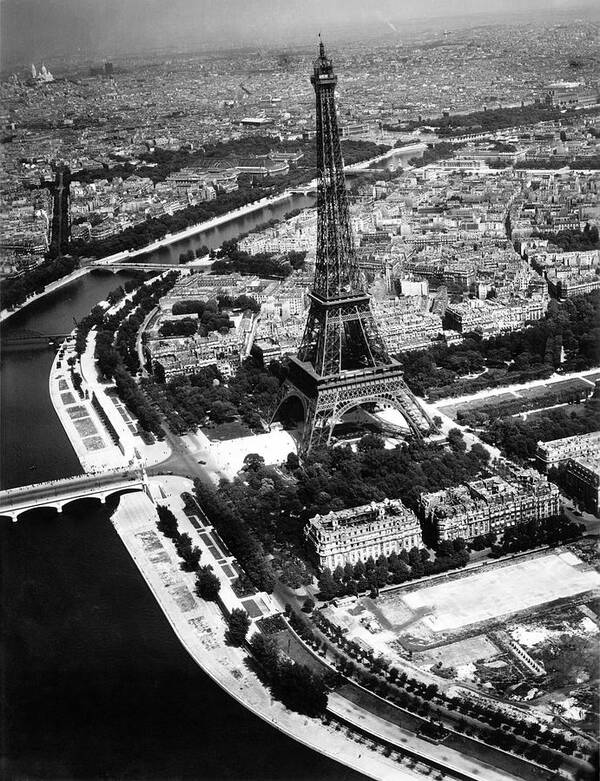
pixel 57 493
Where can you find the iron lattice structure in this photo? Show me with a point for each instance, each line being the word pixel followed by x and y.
pixel 342 361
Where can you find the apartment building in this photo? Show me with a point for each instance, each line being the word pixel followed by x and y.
pixel 489 505
pixel 555 452
pixel 354 534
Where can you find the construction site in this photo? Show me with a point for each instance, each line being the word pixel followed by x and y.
pixel 523 630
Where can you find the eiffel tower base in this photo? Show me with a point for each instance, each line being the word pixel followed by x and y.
pixel 327 399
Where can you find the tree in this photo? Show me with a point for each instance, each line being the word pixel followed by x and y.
pixel 327 586
pixel 239 623
pixel 300 689
pixel 266 652
pixel 167 522
pixel 370 442
pixel 292 462
pixel 253 462
pixel 309 605
pixel 208 584
pixel 478 450
pixel 456 441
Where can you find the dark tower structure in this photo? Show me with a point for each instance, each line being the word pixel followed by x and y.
pixel 342 361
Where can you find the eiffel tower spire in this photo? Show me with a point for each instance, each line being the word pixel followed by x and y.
pixel 340 332
pixel 342 361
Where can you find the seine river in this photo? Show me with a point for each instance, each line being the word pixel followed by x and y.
pixel 98 685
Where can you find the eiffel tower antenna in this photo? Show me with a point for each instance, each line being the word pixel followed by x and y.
pixel 342 361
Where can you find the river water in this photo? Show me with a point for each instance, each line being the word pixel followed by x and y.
pixel 98 684
pixel 214 237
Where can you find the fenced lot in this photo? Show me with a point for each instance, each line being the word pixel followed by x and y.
pixel 455 604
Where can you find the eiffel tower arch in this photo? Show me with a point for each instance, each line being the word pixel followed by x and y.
pixel 342 361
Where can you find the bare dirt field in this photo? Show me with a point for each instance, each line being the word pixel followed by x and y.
pixel 487 595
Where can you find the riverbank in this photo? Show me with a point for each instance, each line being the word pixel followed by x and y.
pixel 101 430
pixel 201 227
pixel 201 627
pixel 366 164
pixel 171 238
pixel 80 272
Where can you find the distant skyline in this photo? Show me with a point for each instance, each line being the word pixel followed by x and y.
pixel 35 29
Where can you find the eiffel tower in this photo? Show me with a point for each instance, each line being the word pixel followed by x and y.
pixel 342 361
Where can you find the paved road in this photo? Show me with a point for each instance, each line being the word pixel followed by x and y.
pixel 402 738
pixel 184 461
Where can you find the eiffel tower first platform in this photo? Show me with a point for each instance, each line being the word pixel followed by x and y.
pixel 342 361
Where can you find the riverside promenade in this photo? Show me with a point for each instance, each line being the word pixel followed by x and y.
pixel 199 227
pixel 200 627
pixel 101 430
pixel 80 272
pixel 171 238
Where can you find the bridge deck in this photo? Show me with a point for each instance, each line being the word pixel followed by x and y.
pixel 70 488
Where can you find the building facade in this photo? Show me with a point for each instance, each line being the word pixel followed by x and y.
pixel 356 533
pixel 555 452
pixel 583 479
pixel 489 505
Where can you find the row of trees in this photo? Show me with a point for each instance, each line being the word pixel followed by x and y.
pixel 139 236
pixel 116 352
pixel 237 536
pixel 393 569
pixel 188 553
pixel 518 356
pixel 477 719
pixel 293 683
pixel 518 438
pixel 491 119
pixel 548 531
pixel 208 584
pixel 494 408
pixel 17 290
pixel 554 162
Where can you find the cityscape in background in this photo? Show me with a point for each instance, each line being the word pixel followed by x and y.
pixel 338 387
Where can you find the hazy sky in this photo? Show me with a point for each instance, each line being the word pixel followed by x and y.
pixel 32 29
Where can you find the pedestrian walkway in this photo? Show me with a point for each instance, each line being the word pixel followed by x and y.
pixel 167 491
pixel 90 438
pixel 201 628
pixel 133 446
